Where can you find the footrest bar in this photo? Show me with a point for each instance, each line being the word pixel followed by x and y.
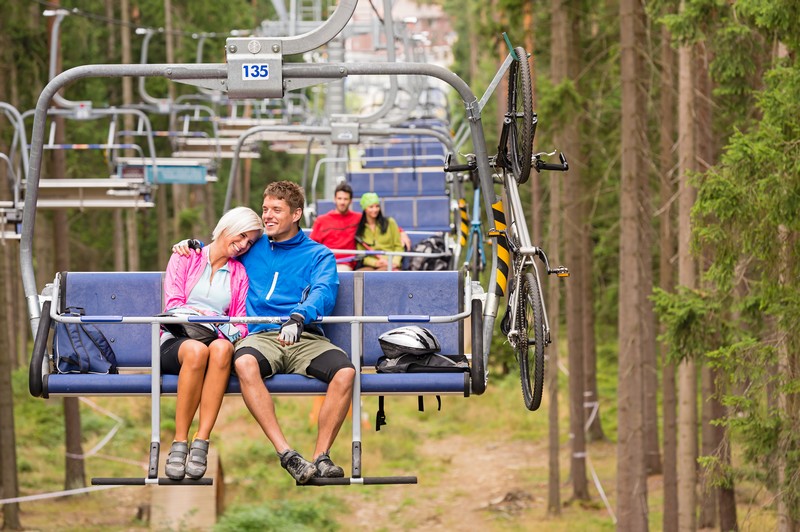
pixel 349 481
pixel 140 481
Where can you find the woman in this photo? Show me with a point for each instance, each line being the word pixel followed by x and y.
pixel 377 232
pixel 209 283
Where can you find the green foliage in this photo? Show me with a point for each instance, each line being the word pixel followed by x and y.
pixel 694 322
pixel 281 516
pixel 778 17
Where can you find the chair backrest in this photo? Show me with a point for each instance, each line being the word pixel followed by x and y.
pixel 340 333
pixel 398 182
pixel 413 293
pixel 117 294
pixel 406 153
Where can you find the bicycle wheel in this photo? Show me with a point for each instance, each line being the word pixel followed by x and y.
pixel 530 323
pixel 520 110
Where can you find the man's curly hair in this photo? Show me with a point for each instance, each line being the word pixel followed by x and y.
pixel 287 191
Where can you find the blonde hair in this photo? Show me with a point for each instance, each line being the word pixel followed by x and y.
pixel 238 220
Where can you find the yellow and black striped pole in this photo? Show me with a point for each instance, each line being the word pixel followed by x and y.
pixel 503 255
pixel 462 207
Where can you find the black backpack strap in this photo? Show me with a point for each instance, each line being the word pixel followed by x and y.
pixel 380 417
pixel 421 403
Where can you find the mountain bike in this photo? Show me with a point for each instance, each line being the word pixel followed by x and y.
pixel 525 323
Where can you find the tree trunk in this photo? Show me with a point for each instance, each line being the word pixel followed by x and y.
pixel 726 495
pixel 687 373
pixel 652 452
pixel 116 215
pixel 631 472
pixel 9 487
pixel 8 247
pixel 131 230
pixel 564 64
pixel 788 405
pixel 553 311
pixel 666 275
pixel 709 447
pixel 594 430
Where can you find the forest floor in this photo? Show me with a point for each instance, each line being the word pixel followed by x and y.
pixel 482 464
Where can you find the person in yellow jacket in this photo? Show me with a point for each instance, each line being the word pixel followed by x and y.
pixel 377 232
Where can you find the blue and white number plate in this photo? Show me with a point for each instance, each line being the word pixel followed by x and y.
pixel 255 71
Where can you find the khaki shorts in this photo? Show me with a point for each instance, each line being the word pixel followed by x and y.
pixel 290 359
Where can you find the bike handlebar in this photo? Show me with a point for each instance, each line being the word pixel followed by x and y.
pixel 471 165
pixel 540 165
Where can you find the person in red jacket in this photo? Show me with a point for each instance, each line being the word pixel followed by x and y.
pixel 337 229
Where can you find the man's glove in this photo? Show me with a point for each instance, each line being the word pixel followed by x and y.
pixel 291 329
pixel 183 246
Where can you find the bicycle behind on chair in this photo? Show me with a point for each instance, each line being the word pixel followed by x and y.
pixel 525 323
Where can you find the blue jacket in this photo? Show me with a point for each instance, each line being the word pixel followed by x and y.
pixel 297 275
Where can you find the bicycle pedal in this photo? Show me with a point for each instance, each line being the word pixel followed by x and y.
pixel 561 271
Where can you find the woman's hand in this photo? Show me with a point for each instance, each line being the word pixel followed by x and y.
pixel 406 241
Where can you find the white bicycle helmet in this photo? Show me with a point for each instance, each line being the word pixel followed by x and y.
pixel 412 339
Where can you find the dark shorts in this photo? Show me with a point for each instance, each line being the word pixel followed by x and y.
pixel 170 364
pixel 313 356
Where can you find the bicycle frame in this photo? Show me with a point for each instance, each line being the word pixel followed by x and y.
pixel 524 253
pixel 475 231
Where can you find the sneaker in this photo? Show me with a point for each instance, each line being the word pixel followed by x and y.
pixel 301 469
pixel 175 468
pixel 326 468
pixel 198 458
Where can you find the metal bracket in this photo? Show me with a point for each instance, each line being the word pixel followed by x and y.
pixel 255 67
pixel 343 130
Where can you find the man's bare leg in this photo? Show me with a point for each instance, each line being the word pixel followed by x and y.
pixel 334 409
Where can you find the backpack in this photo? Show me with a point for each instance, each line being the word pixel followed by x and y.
pixel 428 363
pixel 411 363
pixel 82 348
pixel 430 245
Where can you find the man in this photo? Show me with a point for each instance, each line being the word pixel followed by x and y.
pixel 291 275
pixel 336 229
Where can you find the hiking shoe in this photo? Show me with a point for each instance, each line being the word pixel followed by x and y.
pixel 198 458
pixel 175 468
pixel 326 468
pixel 301 469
